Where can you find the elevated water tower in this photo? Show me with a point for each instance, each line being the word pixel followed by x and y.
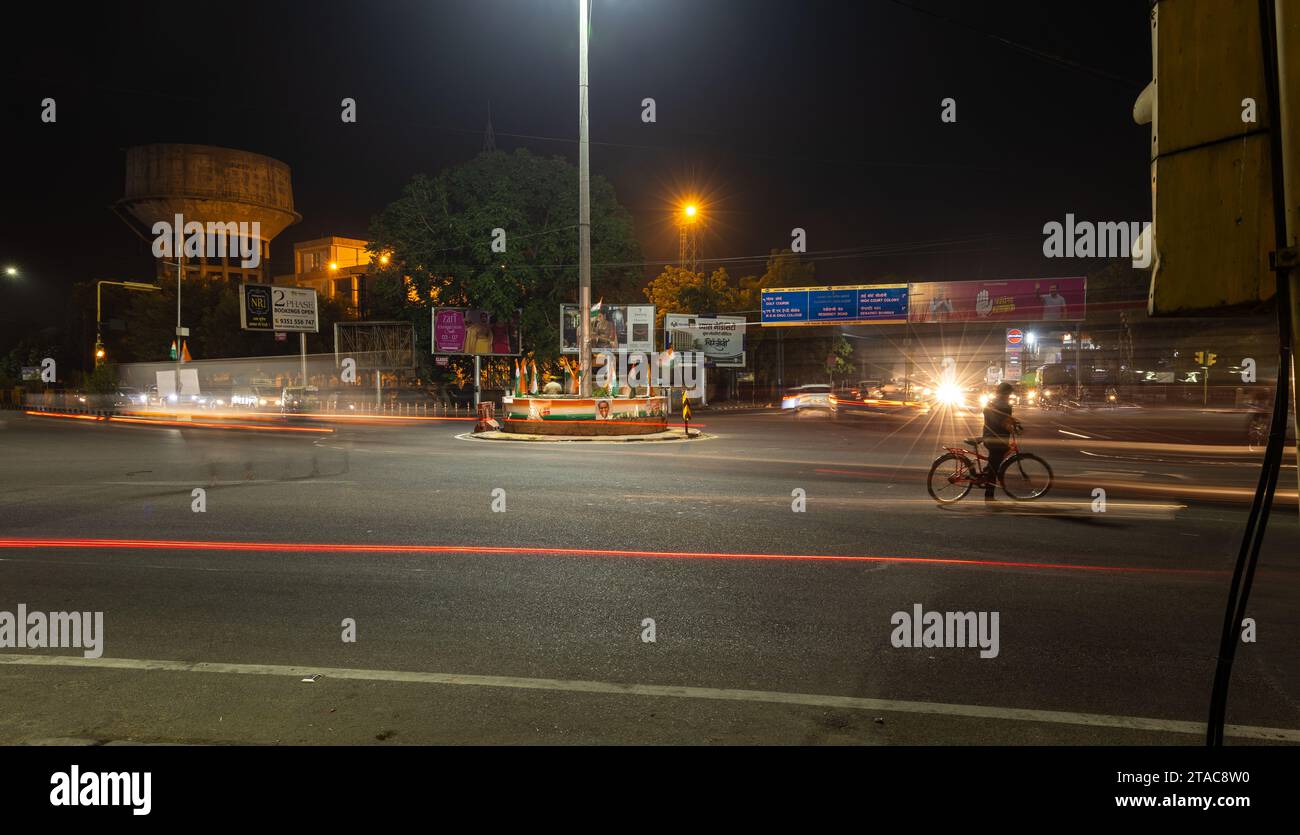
pixel 207 184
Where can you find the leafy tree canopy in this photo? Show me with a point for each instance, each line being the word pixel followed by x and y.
pixel 439 236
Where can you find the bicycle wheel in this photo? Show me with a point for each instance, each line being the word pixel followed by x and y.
pixel 1025 476
pixel 950 478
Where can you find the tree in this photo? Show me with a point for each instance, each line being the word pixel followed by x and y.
pixel 439 237
pixel 784 269
pixel 210 309
pixel 676 290
pixel 839 360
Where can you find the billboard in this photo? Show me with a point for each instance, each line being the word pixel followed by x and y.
pixel 614 327
pixel 721 339
pixel 859 304
pixel 266 307
pixel 462 330
pixel 1020 300
pixel 375 345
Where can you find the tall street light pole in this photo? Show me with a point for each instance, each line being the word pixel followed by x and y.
pixel 584 212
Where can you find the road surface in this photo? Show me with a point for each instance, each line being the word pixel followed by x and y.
pixel 529 624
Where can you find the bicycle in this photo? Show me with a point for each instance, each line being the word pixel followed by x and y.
pixel 1024 476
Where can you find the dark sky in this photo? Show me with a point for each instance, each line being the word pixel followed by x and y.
pixel 822 115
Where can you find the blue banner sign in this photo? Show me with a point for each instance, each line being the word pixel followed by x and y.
pixel 858 304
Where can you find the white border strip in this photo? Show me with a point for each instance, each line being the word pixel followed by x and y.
pixel 1133 723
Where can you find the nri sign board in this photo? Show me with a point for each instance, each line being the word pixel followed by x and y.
pixel 266 307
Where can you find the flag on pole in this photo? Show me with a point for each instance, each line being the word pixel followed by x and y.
pixel 185 351
pixel 172 351
pixel 534 386
pixel 519 379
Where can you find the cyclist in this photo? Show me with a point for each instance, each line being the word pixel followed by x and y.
pixel 998 426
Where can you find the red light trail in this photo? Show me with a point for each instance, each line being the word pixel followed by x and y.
pixel 370 548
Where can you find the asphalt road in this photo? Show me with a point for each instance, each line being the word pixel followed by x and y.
pixel 527 625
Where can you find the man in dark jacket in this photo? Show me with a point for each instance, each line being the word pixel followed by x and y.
pixel 998 426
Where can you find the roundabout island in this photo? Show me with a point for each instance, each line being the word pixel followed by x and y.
pixel 584 417
pixel 560 418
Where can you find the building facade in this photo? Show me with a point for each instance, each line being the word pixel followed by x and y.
pixel 336 268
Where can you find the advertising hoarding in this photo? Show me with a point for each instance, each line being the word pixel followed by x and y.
pixel 462 330
pixel 614 327
pixel 1022 300
pixel 266 307
pixel 721 339
pixel 1019 300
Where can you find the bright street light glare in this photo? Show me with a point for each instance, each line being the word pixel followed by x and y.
pixel 949 394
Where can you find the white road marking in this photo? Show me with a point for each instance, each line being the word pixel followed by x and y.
pixel 1056 717
pixel 228 483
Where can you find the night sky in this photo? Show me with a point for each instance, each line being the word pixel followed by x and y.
pixel 822 115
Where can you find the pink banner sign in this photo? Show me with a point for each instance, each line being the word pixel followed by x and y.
pixel 1022 300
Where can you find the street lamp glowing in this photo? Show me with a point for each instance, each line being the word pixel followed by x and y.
pixel 690 211
pixel 334 265
pixel 383 259
pixel 11 271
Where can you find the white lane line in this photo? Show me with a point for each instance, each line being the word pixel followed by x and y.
pixel 1133 723
pixel 1075 434
pixel 228 483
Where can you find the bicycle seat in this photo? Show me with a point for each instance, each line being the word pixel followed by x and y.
pixel 973 441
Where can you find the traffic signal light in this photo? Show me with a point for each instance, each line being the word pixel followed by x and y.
pixel 1210 359
pixel 1211 171
pixel 1199 357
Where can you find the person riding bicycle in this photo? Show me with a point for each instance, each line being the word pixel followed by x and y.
pixel 998 426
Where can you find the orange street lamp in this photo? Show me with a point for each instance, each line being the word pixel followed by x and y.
pixel 688 238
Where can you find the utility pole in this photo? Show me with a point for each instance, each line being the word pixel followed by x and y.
pixel 1078 362
pixel 584 212
pixel 1288 121
pixel 180 346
